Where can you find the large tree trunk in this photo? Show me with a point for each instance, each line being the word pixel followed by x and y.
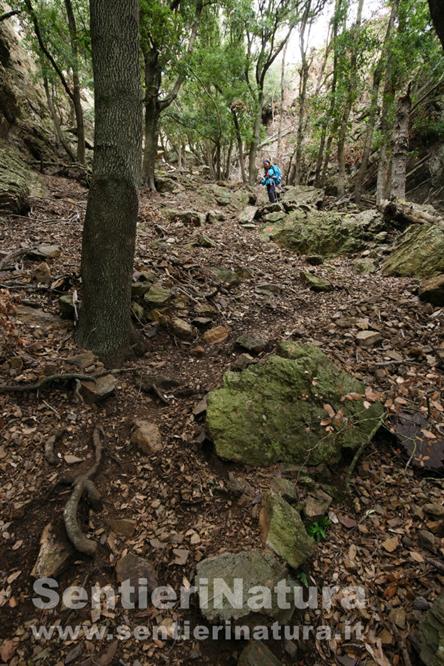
pixel 252 168
pixel 111 216
pixel 77 100
pixel 153 80
pixel 240 148
pixel 401 141
pixel 437 12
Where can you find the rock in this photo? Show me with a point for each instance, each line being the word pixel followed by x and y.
pixel 41 273
pixel 368 338
pixel 252 567
pixel 251 344
pixel 317 505
pixel 222 195
pixel 257 654
pixel 260 415
pixel 157 295
pixel 182 329
pixel 302 195
pixel 139 289
pixel 327 233
pixel 431 634
pixel 53 555
pixel 216 335
pixel 85 359
pixel 166 184
pixel 270 208
pixel 242 362
pixel 215 216
pixel 314 259
pixel 147 437
pixel 201 240
pixel 315 282
pixel 135 569
pixel 202 322
pixel 432 291
pixel 123 526
pixel 283 531
pixel 248 214
pixel 191 217
pixel 66 307
pixel 434 509
pixel 418 253
pixel 284 487
pixel 15 179
pixel 229 278
pixel 137 311
pixel 364 266
pixel 45 251
pixel 98 390
pixel 36 317
pixel 277 216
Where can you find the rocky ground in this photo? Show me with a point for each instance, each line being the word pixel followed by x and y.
pixel 202 282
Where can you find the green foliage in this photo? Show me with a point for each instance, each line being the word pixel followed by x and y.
pixel 318 529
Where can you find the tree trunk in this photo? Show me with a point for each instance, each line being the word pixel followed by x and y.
pixel 401 142
pixel 153 80
pixel 252 169
pixel 437 12
pixel 77 100
pixel 111 216
pixel 281 105
pixel 55 120
pixel 239 144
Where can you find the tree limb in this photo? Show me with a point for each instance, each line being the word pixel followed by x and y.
pixel 7 15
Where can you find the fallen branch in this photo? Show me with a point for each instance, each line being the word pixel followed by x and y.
pixel 406 211
pixel 13 12
pixel 14 255
pixel 52 379
pixel 83 484
pixel 50 455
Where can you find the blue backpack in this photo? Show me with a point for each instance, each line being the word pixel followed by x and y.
pixel 277 174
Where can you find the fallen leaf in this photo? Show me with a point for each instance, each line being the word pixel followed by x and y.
pixel 391 544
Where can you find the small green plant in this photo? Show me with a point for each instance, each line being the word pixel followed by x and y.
pixel 302 578
pixel 318 529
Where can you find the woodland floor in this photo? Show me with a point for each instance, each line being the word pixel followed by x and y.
pixel 375 536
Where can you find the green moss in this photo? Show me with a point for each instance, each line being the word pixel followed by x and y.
pixel 419 252
pixel 272 412
pixel 15 180
pixel 286 534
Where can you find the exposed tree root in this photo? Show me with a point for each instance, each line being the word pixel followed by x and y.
pixel 50 455
pixel 83 484
pixel 46 381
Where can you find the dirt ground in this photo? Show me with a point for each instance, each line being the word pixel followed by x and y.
pixel 181 501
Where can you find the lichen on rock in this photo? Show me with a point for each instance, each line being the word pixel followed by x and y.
pixel 418 253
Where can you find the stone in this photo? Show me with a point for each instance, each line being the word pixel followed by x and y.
pixel 431 634
pixel 315 282
pixel 253 567
pixel 368 338
pixel 257 654
pixel 201 240
pixel 314 259
pixel 284 487
pixel 15 178
pixel 147 437
pixel 364 266
pixel 36 317
pixel 248 214
pixel 53 555
pixel 98 390
pixel 123 526
pixel 283 531
pixel 85 359
pixel 277 216
pixel 419 252
pixel 45 251
pixel 191 217
pixel 182 329
pixel 135 569
pixel 432 290
pixel 217 335
pixel 157 295
pixel 137 311
pixel 229 278
pixel 242 362
pixel 317 504
pixel 66 307
pixel 251 344
pixel 214 216
pixel 434 509
pixel 270 208
pixel 260 415
pixel 139 289
pixel 304 195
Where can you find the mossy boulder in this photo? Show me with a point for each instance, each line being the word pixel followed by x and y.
pixel 302 195
pixel 418 253
pixel 315 282
pixel 283 530
pixel 15 179
pixel 275 411
pixel 431 635
pixel 327 233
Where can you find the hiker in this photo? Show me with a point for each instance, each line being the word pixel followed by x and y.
pixel 272 177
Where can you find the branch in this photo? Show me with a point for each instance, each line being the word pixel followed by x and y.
pixel 14 12
pixel 22 388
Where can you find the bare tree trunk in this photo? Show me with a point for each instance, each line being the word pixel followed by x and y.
pixel 153 79
pixel 281 105
pixel 239 144
pixel 55 121
pixel 111 216
pixel 373 113
pixel 401 141
pixel 76 98
pixel 254 145
pixel 437 12
pixel 228 160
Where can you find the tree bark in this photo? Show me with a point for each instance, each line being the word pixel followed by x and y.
pixel 401 141
pixel 153 80
pixel 55 120
pixel 252 171
pixel 437 12
pixel 77 100
pixel 239 144
pixel 111 217
pixel 281 104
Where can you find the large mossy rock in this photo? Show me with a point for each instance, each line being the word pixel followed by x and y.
pixel 431 635
pixel 15 180
pixel 327 233
pixel 418 253
pixel 301 195
pixel 272 412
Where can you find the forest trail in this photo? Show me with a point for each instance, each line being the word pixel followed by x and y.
pixel 182 503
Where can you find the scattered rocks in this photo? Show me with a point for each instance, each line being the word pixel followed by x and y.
pixel 134 568
pixel 248 214
pixel 53 555
pixel 45 251
pixel 182 329
pixel 260 415
pixel 283 531
pixel 217 335
pixel 317 505
pixel 123 526
pixel 315 282
pixel 431 634
pixel 191 217
pixel 418 253
pixel 147 437
pixel 98 390
pixel 368 338
pixel 364 266
pixel 157 295
pixel 251 344
pixel 257 654
pixel 252 567
pixel 434 509
pixel 432 291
